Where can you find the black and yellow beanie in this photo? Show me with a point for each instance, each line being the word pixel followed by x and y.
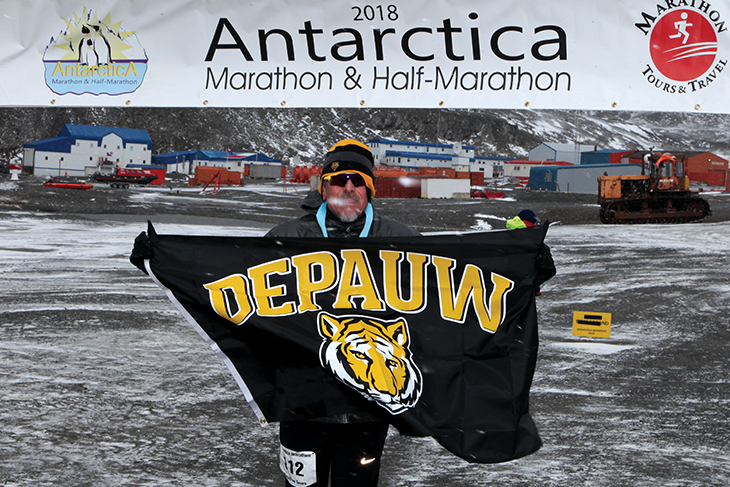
pixel 350 155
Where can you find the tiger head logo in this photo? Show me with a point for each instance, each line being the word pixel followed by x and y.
pixel 371 356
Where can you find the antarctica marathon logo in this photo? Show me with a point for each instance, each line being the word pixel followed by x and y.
pixel 96 56
pixel 683 45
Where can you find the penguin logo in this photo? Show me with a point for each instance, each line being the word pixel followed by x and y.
pixel 94 49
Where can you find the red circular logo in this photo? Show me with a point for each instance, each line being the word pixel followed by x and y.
pixel 683 45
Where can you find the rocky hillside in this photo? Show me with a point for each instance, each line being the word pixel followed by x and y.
pixel 285 133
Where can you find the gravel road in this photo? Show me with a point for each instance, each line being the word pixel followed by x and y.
pixel 105 384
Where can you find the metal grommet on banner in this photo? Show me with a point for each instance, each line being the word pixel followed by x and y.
pixel 53 102
pixel 614 105
pixel 283 103
pixel 128 102
pixel 697 107
pixel 205 102
pixel 263 421
pixel 527 104
pixel 441 103
pixel 362 102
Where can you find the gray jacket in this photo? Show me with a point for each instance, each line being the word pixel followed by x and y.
pixel 307 225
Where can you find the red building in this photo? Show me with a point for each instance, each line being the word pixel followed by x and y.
pixel 636 157
pixel 708 168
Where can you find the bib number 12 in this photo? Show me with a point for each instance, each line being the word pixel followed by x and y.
pixel 299 467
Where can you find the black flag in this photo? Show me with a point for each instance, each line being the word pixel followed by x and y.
pixel 436 335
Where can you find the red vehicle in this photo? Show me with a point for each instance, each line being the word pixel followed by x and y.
pixel 481 193
pixel 122 177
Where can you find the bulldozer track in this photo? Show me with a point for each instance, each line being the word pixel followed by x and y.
pixel 652 210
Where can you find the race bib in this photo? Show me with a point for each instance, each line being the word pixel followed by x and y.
pixel 299 467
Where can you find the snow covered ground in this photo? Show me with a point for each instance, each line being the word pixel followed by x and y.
pixel 104 383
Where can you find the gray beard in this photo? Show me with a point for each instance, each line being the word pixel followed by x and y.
pixel 349 216
pixel 346 216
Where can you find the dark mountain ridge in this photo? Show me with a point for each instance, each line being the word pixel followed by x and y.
pixel 288 132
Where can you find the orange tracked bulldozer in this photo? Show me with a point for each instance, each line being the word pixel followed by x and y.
pixel 661 196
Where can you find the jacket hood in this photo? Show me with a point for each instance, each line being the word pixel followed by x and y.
pixel 312 202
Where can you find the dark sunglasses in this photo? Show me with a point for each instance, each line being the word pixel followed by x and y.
pixel 342 179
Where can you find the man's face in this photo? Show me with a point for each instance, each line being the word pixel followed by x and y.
pixel 347 202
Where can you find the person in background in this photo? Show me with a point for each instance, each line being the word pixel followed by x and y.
pixel 524 219
pixel 347 446
pixel 545 265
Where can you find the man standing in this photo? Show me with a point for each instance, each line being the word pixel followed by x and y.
pixel 349 445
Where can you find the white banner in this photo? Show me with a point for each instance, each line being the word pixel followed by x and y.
pixel 559 54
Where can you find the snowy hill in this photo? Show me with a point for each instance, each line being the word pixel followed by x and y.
pixel 285 133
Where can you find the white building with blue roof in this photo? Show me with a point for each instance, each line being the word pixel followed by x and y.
pixel 414 155
pixel 492 167
pixel 78 150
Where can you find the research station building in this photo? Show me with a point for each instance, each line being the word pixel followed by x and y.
pixel 78 150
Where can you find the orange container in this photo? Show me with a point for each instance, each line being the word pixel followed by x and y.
pixel 437 171
pixel 206 174
pixel 389 173
pixel 234 177
pixel 477 178
pixel 400 187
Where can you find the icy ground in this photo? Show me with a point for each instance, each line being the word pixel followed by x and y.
pixel 103 383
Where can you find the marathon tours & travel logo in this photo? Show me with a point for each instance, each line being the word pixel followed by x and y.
pixel 95 56
pixel 683 46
